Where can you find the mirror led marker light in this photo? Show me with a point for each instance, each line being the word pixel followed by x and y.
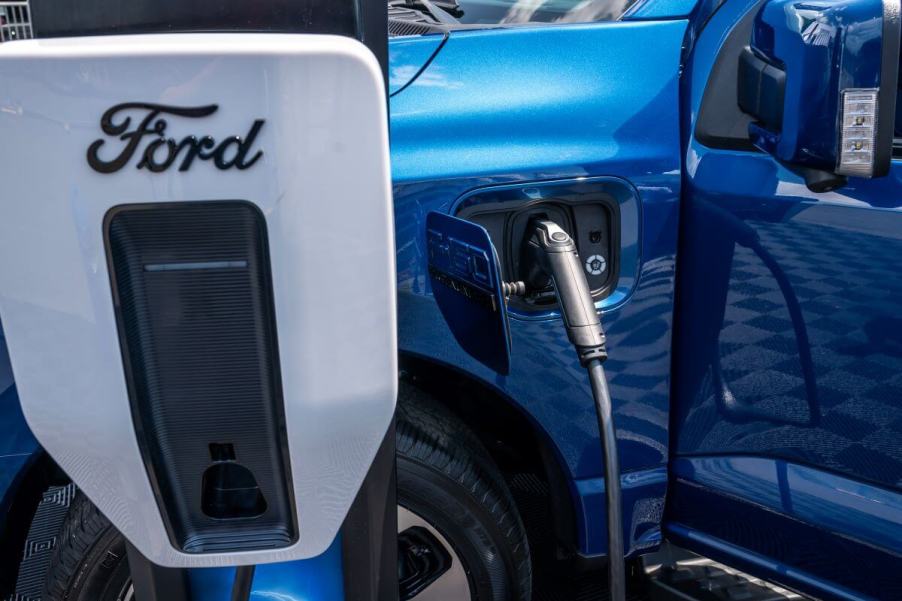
pixel 858 132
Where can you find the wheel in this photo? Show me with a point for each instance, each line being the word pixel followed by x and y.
pixel 89 562
pixel 447 479
pixel 459 534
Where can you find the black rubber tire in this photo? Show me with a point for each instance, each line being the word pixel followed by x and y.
pixel 89 562
pixel 445 476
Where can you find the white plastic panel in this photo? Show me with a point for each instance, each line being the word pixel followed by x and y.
pixel 323 185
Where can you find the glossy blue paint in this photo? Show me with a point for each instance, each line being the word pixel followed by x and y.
pixel 643 494
pixel 755 563
pixel 660 9
pixel 550 102
pixel 833 246
pixel 316 579
pixel 824 47
pixel 407 56
pixel 11 471
pixel 787 350
pixel 868 513
pixel 16 440
pixel 826 535
pixel 546 104
pixel 18 447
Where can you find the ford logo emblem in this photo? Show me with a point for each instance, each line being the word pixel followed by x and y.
pixel 162 152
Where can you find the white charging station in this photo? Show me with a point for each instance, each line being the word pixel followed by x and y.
pixel 287 130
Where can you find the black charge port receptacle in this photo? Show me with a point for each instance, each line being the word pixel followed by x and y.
pixel 591 219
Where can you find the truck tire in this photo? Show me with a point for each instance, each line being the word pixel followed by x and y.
pixel 460 535
pixel 446 475
pixel 88 563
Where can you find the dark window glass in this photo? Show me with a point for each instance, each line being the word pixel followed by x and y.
pixel 539 11
pixel 106 17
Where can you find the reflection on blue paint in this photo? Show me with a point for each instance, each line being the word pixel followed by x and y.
pixel 820 533
pixel 870 514
pixel 660 9
pixel 11 467
pixel 823 468
pixel 642 496
pixel 839 252
pixel 407 56
pixel 15 436
pixel 317 579
pixel 756 563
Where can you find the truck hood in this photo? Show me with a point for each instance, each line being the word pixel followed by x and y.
pixel 408 56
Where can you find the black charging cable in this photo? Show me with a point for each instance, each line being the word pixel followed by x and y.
pixel 604 413
pixel 244 578
pixel 551 253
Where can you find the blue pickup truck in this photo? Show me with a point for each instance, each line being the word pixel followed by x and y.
pixel 747 278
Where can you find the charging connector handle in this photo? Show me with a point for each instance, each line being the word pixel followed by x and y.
pixel 556 253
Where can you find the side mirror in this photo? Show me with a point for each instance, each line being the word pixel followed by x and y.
pixel 821 77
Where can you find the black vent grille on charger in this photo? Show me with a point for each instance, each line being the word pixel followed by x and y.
pixel 194 303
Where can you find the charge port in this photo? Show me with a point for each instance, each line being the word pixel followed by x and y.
pixel 591 220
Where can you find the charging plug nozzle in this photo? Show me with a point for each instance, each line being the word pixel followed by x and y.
pixel 551 252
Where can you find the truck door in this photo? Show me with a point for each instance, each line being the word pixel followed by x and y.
pixel 787 397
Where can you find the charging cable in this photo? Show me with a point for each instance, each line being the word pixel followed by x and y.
pixel 241 588
pixel 551 252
